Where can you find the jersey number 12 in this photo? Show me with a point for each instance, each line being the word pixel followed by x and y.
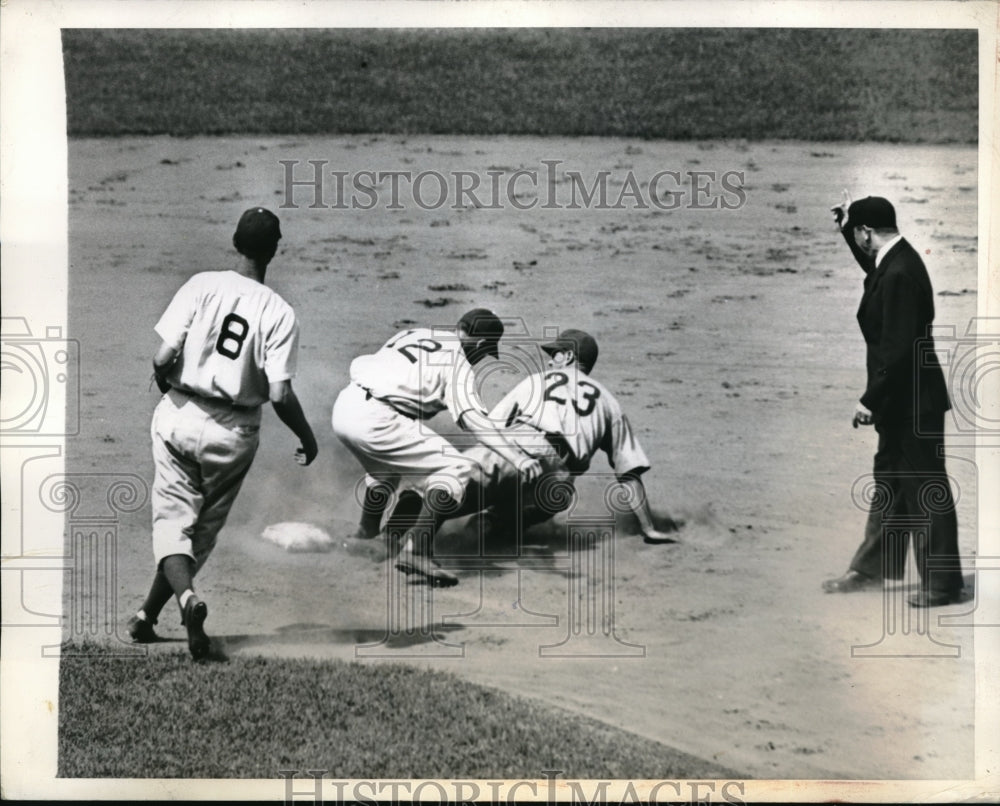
pixel 427 345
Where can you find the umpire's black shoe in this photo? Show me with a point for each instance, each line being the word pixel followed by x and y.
pixel 141 631
pixel 851 581
pixel 933 598
pixel 195 614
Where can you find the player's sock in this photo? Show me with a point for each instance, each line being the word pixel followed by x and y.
pixel 183 598
pixel 178 569
pixel 369 527
pixel 159 594
pixel 377 498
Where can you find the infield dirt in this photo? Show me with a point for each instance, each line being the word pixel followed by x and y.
pixel 728 335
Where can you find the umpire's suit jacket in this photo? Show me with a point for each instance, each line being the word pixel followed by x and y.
pixel 896 311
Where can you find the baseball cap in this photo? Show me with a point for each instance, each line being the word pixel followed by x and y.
pixel 872 211
pixel 583 345
pixel 257 232
pixel 482 323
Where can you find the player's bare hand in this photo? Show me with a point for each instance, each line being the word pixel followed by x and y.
pixel 862 416
pixel 840 210
pixel 531 470
pixel 305 454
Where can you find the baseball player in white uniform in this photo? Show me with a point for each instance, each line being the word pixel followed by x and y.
pixel 229 344
pixel 378 416
pixel 562 417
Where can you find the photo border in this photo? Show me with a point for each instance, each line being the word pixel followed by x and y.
pixel 33 220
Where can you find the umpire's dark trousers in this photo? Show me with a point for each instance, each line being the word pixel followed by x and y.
pixel 913 498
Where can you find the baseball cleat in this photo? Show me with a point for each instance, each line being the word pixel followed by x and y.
pixel 851 581
pixel 411 563
pixel 659 538
pixel 933 598
pixel 141 631
pixel 194 618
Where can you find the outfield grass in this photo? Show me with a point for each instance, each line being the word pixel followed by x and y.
pixel 823 84
pixel 166 717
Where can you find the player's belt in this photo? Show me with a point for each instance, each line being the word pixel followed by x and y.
pixel 214 403
pixel 218 402
pixel 237 407
pixel 408 414
pixel 228 404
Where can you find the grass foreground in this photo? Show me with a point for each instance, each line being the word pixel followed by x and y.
pixel 164 716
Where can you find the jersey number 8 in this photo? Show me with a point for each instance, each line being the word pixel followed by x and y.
pixel 234 332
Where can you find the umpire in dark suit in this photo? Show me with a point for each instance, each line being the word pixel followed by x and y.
pixel 905 399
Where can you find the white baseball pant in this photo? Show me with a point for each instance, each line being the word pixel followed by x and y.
pixel 202 451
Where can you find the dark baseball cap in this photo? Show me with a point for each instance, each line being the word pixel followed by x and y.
pixel 482 323
pixel 257 232
pixel 583 345
pixel 872 211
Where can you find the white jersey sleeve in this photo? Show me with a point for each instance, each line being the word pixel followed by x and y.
pixel 234 336
pixel 421 372
pixel 625 454
pixel 176 319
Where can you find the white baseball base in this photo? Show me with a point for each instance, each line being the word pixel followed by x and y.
pixel 296 536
